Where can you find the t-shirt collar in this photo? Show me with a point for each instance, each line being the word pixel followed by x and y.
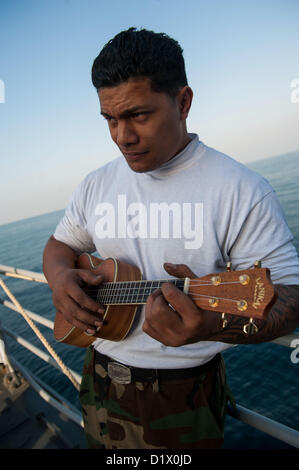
pixel 182 160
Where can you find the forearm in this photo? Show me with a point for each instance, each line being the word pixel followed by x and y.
pixel 57 256
pixel 282 319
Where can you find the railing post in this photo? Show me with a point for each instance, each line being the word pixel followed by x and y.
pixel 11 375
pixel 3 356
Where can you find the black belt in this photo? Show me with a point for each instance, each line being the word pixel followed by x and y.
pixel 124 374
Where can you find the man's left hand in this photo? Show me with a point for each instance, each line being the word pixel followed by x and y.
pixel 172 318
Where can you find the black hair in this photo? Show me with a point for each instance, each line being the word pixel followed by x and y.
pixel 143 53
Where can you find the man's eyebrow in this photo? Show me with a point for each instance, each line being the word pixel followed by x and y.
pixel 130 111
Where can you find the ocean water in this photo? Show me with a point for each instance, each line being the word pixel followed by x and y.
pixel 261 377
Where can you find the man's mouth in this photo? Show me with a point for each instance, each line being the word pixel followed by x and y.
pixel 132 156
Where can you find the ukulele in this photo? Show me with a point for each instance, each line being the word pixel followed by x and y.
pixel 247 293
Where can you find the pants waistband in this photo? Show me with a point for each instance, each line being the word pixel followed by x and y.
pixel 124 374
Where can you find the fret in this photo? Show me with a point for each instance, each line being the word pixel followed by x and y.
pixel 147 290
pixel 128 290
pixel 102 294
pixel 156 285
pixel 114 294
pixel 152 289
pixel 141 292
pixel 107 290
pixel 138 298
pixel 131 290
pixel 135 296
pixel 122 291
pixel 99 298
pixel 111 288
pixel 117 294
pixel 105 294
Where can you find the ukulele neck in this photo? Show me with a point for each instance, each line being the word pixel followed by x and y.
pixel 133 292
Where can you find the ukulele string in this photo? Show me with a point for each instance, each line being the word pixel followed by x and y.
pixel 214 297
pixel 108 287
pixel 211 284
pixel 119 291
pixel 118 300
pixel 115 297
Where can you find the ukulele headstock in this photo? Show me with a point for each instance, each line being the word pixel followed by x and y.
pixel 248 293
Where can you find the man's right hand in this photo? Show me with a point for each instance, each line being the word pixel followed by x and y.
pixel 67 283
pixel 70 299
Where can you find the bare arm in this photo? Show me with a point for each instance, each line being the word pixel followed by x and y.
pixel 57 257
pixel 66 282
pixel 188 324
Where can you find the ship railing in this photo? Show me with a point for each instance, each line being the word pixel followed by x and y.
pixel 267 425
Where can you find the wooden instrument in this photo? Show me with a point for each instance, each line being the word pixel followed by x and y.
pixel 247 293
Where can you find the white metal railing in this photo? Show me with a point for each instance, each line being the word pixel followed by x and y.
pixel 34 316
pixel 268 426
pixel 256 420
pixel 22 274
pixel 35 350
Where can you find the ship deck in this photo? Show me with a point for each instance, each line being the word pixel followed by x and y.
pixel 29 422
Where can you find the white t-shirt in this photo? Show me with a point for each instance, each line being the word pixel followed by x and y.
pixel 202 208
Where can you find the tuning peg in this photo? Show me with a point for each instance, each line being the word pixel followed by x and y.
pixel 229 266
pixel 224 320
pixel 250 328
pixel 224 316
pixel 258 264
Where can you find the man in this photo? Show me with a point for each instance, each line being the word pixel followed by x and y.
pixel 175 208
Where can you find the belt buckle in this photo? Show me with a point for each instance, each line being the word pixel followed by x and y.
pixel 120 373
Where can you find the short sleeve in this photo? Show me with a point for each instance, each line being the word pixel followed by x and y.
pixel 72 228
pixel 265 236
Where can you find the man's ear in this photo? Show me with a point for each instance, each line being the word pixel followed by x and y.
pixel 185 96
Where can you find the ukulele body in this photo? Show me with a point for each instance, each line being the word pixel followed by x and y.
pixel 118 319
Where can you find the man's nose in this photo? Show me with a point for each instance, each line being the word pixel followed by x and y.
pixel 125 134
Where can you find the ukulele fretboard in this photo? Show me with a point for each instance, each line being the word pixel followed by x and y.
pixel 131 292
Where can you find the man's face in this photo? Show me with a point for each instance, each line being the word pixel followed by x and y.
pixel 147 126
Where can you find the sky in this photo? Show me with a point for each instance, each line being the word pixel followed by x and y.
pixel 242 62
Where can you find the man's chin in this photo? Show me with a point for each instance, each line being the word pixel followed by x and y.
pixel 139 167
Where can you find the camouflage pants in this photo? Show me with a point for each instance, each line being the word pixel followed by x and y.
pixel 177 414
